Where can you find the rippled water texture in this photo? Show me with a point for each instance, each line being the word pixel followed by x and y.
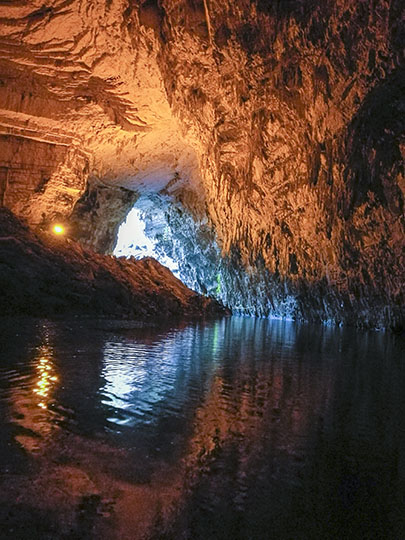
pixel 233 429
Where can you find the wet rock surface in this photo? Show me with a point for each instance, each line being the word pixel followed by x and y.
pixel 47 276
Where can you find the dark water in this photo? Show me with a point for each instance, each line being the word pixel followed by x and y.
pixel 234 429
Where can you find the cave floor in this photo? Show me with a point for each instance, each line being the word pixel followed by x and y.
pixel 232 428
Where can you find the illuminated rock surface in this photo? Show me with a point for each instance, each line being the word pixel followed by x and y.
pixel 270 134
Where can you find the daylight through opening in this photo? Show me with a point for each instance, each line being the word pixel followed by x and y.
pixel 133 241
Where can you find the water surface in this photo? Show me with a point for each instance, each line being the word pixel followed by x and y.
pixel 238 428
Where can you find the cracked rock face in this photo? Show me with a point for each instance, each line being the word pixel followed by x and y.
pixel 272 128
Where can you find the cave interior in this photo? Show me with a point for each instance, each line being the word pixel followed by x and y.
pixel 165 164
pixel 261 143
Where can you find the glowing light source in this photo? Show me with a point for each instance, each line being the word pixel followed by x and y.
pixel 132 240
pixel 58 229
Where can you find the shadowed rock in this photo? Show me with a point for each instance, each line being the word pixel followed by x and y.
pixel 46 276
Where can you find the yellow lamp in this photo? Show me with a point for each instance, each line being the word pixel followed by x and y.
pixel 58 229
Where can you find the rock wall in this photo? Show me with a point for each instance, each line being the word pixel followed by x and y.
pixel 98 213
pixel 276 124
pixel 298 106
pixel 81 80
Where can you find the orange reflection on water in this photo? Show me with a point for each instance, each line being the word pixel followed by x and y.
pixel 46 377
pixel 265 414
pixel 38 394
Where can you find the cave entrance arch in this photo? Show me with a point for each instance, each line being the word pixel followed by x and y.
pixel 172 232
pixel 161 227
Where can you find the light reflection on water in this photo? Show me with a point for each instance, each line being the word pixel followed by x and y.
pixel 236 428
pixel 46 378
pixel 145 379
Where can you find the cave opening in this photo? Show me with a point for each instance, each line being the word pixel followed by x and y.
pixel 132 241
pixel 160 227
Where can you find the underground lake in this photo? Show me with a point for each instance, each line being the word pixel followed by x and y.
pixel 233 428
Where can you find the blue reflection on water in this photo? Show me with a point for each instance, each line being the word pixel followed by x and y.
pixel 144 379
pixel 270 428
